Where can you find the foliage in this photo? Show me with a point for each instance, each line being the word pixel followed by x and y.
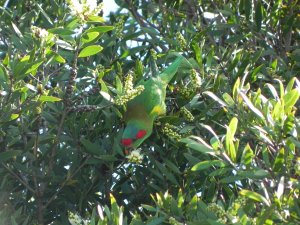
pixel 226 152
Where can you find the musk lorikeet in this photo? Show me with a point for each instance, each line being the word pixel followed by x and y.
pixel 144 109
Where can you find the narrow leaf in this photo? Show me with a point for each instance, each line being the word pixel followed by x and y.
pixel 8 155
pixel 197 146
pixel 90 147
pixel 258 15
pixel 45 98
pixel 290 99
pixel 100 29
pixel 251 106
pixel 207 164
pixel 255 196
pixel 61 31
pixel 216 98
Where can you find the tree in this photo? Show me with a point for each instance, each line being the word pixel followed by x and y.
pixel 226 152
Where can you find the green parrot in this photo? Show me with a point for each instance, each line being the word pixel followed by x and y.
pixel 146 107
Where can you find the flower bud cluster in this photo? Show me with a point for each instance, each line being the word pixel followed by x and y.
pixel 188 90
pixel 153 54
pixel 218 211
pixel 185 91
pixel 129 92
pixel 195 79
pixel 40 33
pixel 186 114
pixel 119 26
pixel 181 40
pixel 75 218
pixel 173 221
pixel 135 156
pixel 171 132
pixel 83 9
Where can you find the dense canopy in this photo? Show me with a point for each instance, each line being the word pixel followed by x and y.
pixel 227 150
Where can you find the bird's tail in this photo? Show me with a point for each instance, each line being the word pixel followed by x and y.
pixel 167 75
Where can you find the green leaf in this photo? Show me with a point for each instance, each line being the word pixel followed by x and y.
pixel 274 64
pixel 258 15
pixel 197 51
pixel 255 196
pixel 235 89
pixel 156 221
pixel 34 66
pixel 254 174
pixel 61 31
pixel 64 44
pixel 290 85
pixel 248 8
pixel 14 116
pixel 44 14
pixel 16 29
pixel 149 208
pixel 4 156
pixel 166 172
pixel 231 129
pixel 3 75
pixel 207 164
pixel 45 98
pixel 90 147
pixel 255 72
pixel 272 90
pixel 279 165
pixel 281 88
pixel 206 149
pixel 90 50
pixel 89 37
pixel 106 96
pixel 59 58
pixel 247 156
pixel 216 98
pixel 290 99
pixel 172 166
pixel 228 99
pixel 251 106
pixel 96 19
pixel 100 29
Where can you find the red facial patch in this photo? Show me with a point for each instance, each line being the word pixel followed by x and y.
pixel 126 142
pixel 140 134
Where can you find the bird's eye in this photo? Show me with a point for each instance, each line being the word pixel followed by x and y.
pixel 126 142
pixel 140 134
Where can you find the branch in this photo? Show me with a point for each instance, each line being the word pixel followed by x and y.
pixel 67 103
pixel 19 178
pixel 68 178
pixel 139 18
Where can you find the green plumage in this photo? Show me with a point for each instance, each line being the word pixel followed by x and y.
pixel 143 109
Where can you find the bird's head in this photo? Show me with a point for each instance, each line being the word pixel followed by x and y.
pixel 134 134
